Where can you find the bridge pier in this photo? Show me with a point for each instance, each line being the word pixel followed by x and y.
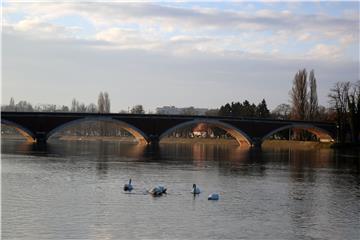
pixel 256 143
pixel 40 137
pixel 154 140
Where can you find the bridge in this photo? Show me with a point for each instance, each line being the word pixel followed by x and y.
pixel 151 128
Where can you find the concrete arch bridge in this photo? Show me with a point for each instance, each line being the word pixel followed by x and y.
pixel 151 128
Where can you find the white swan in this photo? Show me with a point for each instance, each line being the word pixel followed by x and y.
pixel 162 189
pixel 157 191
pixel 213 196
pixel 195 190
pixel 128 187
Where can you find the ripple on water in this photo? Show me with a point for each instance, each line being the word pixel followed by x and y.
pixel 66 195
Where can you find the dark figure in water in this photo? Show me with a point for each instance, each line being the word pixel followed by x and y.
pixel 128 187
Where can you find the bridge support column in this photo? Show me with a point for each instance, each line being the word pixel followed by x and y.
pixel 40 137
pixel 256 143
pixel 154 140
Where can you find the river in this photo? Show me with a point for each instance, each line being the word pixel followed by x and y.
pixel 73 190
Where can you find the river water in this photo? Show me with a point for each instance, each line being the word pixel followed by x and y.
pixel 73 190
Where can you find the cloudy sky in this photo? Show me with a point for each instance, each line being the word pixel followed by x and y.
pixel 182 54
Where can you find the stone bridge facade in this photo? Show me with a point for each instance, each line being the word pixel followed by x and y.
pixel 151 128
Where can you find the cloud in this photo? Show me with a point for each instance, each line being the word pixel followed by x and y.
pixel 36 28
pixel 134 49
pixel 132 76
pixel 190 18
pixel 127 39
pixel 330 52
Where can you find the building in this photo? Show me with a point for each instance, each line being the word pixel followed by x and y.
pixel 172 110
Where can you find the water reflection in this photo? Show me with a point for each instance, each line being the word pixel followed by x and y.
pixel 301 162
pixel 73 190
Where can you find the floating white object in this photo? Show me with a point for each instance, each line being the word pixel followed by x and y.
pixel 157 191
pixel 195 189
pixel 213 196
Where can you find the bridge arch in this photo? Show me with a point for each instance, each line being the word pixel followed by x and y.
pixel 240 136
pixel 321 133
pixel 29 135
pixel 139 135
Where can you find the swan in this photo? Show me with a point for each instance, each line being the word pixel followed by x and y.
pixel 157 191
pixel 128 186
pixel 195 190
pixel 213 196
pixel 162 189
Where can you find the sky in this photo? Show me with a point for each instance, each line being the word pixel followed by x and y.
pixel 201 54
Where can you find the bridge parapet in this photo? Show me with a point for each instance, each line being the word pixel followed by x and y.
pixel 151 128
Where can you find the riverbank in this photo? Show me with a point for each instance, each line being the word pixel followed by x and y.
pixel 97 138
pixel 295 144
pixel 164 140
pixel 200 140
pixel 215 141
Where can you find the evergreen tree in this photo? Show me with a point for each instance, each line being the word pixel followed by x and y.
pixel 225 110
pixel 262 111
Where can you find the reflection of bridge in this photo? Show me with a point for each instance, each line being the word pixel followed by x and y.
pixel 149 128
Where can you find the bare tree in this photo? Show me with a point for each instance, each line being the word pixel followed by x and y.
pixel 313 99
pixel 338 100
pixel 353 103
pixel 101 103
pixel 64 108
pixel 106 103
pixel 12 105
pixel 298 95
pixel 81 108
pixel 282 111
pixel 189 111
pixel 137 109
pixel 91 108
pixel 74 105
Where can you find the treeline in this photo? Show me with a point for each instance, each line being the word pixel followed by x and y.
pixel 345 101
pixel 89 128
pixel 303 101
pixel 245 109
pixel 103 106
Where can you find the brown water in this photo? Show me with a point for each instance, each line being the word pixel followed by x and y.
pixel 73 190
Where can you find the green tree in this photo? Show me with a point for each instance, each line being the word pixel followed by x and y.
pixel 236 109
pixel 225 110
pixel 262 111
pixel 248 109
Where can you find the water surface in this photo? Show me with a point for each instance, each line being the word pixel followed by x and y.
pixel 73 190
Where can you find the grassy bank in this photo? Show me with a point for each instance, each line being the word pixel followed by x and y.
pixel 294 144
pixel 97 138
pixel 266 144
pixel 200 140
